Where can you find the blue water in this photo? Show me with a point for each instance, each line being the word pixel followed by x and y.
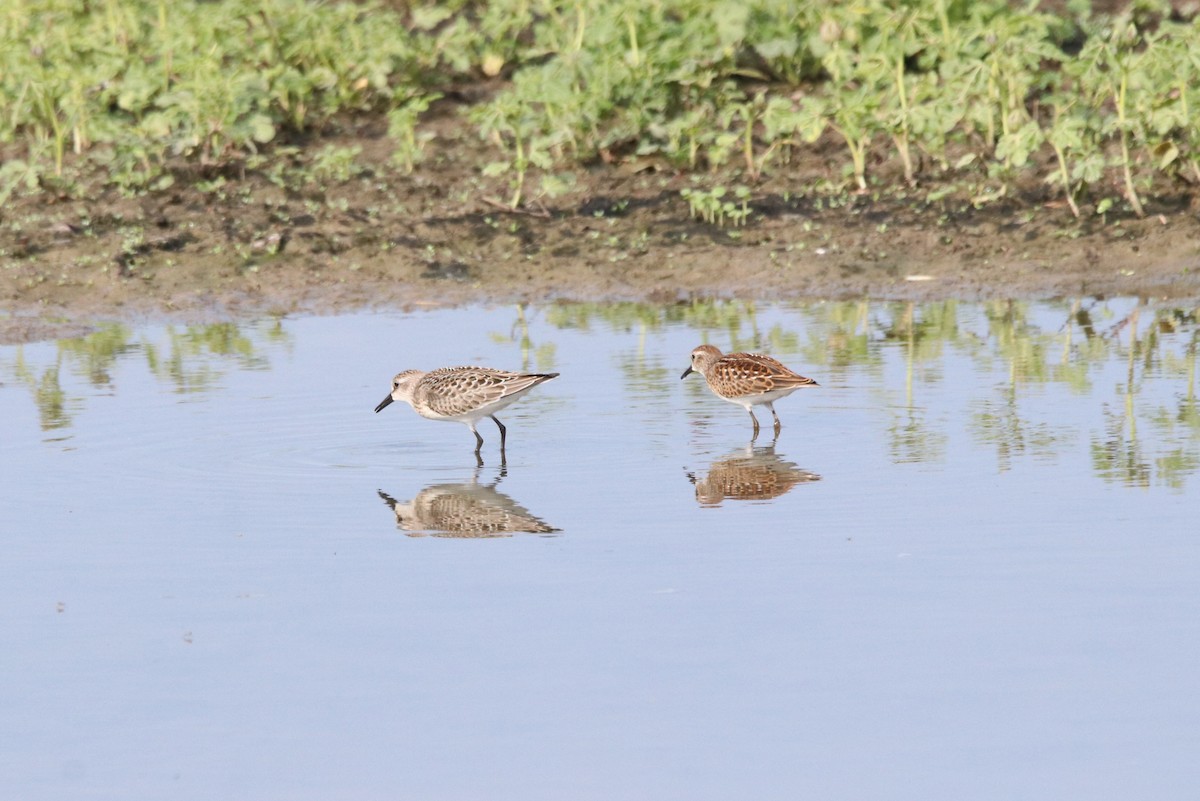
pixel 968 568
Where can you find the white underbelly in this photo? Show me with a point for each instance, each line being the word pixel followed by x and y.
pixel 746 401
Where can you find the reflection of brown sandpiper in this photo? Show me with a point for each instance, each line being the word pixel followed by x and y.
pixel 747 379
pixel 463 510
pixel 756 474
pixel 462 394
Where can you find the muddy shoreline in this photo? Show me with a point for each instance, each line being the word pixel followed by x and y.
pixel 439 238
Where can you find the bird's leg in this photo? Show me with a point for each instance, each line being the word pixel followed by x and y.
pixel 503 432
pixel 755 421
pixel 778 425
pixel 478 439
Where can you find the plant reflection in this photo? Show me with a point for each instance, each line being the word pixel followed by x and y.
pixel 187 360
pixel 1005 353
pixel 749 474
pixel 192 359
pixel 518 334
pixel 467 510
pixel 921 339
pixel 1182 422
pixel 1033 346
pixel 1119 454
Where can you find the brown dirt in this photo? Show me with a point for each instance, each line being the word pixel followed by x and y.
pixel 623 233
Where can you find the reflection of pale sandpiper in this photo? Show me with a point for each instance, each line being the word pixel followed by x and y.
pixel 462 394
pixel 747 379
pixel 464 510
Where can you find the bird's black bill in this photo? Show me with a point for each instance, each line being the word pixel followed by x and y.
pixel 383 403
pixel 686 373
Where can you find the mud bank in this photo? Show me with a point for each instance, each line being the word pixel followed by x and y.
pixel 440 238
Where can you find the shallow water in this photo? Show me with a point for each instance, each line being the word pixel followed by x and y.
pixel 967 569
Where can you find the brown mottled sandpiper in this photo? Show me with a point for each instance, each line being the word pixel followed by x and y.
pixel 747 379
pixel 750 474
pixel 462 394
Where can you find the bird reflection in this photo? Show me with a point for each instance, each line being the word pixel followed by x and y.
pixel 750 474
pixel 468 509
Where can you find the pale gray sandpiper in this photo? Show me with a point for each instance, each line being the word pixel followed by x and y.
pixel 747 379
pixel 462 394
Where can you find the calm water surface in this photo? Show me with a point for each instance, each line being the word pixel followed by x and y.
pixel 967 569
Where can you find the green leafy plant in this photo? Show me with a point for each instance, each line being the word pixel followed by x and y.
pixel 712 207
pixel 1110 63
pixel 408 143
pixel 149 92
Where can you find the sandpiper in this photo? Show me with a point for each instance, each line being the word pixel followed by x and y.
pixel 462 394
pixel 747 379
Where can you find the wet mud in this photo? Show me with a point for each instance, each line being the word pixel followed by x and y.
pixel 441 236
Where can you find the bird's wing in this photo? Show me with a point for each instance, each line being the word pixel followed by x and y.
pixel 459 390
pixel 757 372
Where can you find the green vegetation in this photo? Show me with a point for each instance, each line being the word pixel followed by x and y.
pixel 147 89
pixel 712 207
pixel 977 94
